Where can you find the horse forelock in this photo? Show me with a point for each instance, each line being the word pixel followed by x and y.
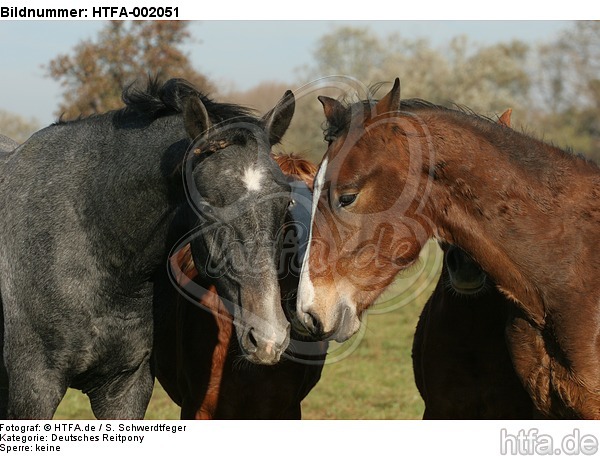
pixel 296 167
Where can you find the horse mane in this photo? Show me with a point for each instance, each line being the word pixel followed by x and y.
pixel 340 119
pixel 186 263
pixel 520 145
pixel 160 99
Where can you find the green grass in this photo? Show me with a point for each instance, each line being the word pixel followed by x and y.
pixel 368 377
pixel 76 406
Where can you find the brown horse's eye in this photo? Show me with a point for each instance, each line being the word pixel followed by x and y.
pixel 347 200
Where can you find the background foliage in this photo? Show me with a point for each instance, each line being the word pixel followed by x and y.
pixel 553 87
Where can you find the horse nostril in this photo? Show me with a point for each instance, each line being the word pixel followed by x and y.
pixel 252 343
pixel 312 323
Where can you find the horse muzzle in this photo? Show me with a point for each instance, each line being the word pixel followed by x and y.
pixel 339 325
pixel 261 349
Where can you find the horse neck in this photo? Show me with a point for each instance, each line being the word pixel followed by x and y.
pixel 515 205
pixel 139 195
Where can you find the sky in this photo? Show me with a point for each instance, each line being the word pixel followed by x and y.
pixel 234 54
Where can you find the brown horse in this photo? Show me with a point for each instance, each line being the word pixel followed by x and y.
pixel 528 213
pixel 199 359
pixel 462 366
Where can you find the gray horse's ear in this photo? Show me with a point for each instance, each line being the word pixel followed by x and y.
pixel 391 102
pixel 195 117
pixel 277 120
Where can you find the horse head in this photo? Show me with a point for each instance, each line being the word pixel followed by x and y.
pixel 241 197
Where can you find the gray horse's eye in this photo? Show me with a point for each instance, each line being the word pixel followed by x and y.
pixel 206 208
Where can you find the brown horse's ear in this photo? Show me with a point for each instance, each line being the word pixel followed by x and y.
pixel 331 107
pixel 278 119
pixel 505 118
pixel 195 118
pixel 391 102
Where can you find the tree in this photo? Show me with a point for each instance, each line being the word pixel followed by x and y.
pixel 17 127
pixel 349 51
pixel 487 79
pixel 261 97
pixel 569 81
pixel 551 79
pixel 582 45
pixel 94 75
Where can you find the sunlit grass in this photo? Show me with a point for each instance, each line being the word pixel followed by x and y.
pixel 76 405
pixel 369 379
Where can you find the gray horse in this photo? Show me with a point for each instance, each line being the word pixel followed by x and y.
pixel 89 211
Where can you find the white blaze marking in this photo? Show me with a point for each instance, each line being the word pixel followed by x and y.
pixel 317 187
pixel 252 178
pixel 272 308
pixel 264 320
pixel 306 290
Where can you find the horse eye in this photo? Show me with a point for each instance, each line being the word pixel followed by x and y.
pixel 206 208
pixel 347 200
pixel 292 203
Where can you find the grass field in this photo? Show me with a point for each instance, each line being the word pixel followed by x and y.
pixel 368 377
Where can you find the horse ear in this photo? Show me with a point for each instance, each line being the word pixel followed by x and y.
pixel 278 119
pixel 331 107
pixel 391 102
pixel 504 119
pixel 195 117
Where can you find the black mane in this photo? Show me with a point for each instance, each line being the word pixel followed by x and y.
pixel 163 99
pixel 160 99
